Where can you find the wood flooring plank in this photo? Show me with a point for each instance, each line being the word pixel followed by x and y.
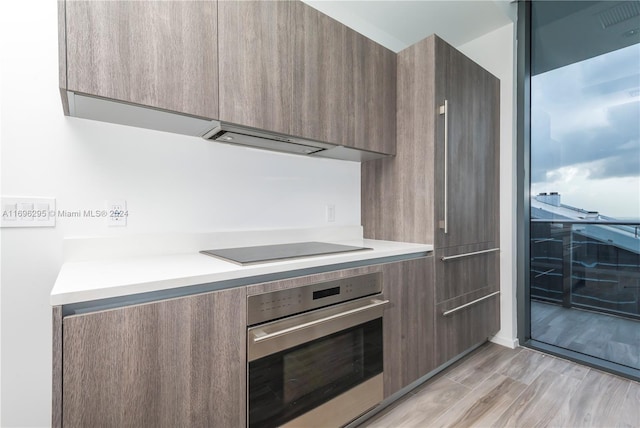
pixel 540 401
pixel 526 366
pixel 629 413
pixel 567 368
pixel 473 370
pixel 563 394
pixel 484 405
pixel 595 403
pixel 425 406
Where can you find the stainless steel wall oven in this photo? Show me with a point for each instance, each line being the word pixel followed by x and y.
pixel 315 353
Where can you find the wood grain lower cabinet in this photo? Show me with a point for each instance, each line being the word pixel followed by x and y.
pixel 161 54
pixel 465 326
pixel 172 363
pixel 408 323
pixel 466 269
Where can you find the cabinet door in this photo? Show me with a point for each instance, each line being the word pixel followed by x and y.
pixel 468 326
pixel 344 85
pixel 171 363
pixel 408 323
pixel 466 272
pixel 255 52
pixel 472 173
pixel 374 74
pixel 398 193
pixel 154 53
pixel 323 84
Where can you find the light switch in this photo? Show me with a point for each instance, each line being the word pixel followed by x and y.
pixel 43 209
pixel 28 212
pixel 9 212
pixel 331 213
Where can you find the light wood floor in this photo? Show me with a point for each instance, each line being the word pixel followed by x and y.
pixel 500 387
pixel 600 335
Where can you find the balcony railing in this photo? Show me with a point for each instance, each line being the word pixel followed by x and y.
pixel 587 264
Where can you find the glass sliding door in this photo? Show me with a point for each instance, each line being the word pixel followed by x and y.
pixel 584 246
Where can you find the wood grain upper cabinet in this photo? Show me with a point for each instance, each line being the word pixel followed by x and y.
pixel 323 87
pixel 375 83
pixel 154 53
pixel 171 363
pixel 255 53
pixel 468 187
pixel 344 85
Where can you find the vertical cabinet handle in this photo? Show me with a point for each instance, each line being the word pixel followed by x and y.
pixel 444 110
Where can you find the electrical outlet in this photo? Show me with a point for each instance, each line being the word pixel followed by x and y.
pixel 117 213
pixel 331 213
pixel 28 212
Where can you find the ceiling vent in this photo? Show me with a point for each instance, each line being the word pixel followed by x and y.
pixel 619 13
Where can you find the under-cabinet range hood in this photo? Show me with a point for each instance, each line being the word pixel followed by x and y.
pixel 107 110
pixel 244 136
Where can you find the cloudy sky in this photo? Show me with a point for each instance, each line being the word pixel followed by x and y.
pixel 585 137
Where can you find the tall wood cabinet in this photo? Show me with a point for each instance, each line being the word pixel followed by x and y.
pixel 154 53
pixel 445 175
pixel 171 363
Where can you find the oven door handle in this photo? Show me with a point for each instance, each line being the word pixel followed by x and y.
pixel 378 303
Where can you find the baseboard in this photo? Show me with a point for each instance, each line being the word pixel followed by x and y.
pixel 506 341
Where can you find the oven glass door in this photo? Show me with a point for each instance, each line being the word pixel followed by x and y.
pixel 291 382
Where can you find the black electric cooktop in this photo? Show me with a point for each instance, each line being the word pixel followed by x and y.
pixel 268 253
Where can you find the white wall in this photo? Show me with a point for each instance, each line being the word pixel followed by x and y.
pixel 171 184
pixel 495 52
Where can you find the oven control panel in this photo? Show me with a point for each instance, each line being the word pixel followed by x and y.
pixel 277 304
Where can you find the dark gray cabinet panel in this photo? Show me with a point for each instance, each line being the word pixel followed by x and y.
pixel 256 63
pixel 155 53
pixel 171 363
pixel 408 323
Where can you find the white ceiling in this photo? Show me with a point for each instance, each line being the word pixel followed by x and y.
pixel 398 24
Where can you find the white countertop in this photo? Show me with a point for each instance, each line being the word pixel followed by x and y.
pixel 82 281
